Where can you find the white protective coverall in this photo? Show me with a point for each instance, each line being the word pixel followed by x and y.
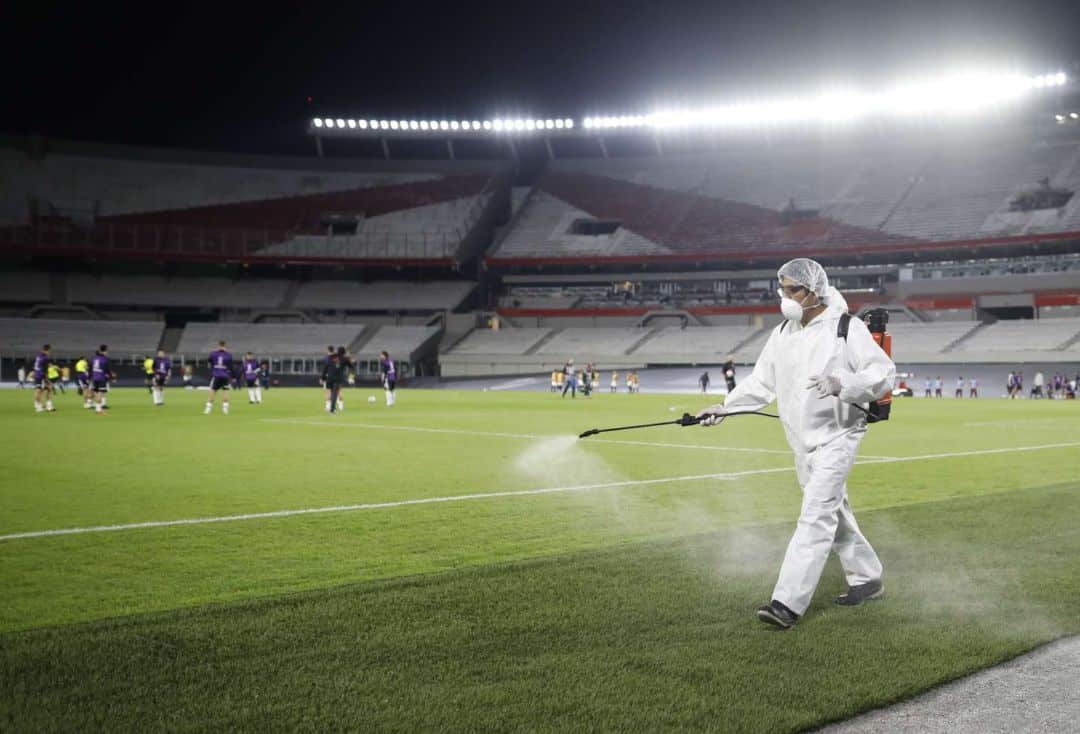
pixel 824 433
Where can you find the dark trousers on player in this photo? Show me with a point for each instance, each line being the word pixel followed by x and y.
pixel 335 390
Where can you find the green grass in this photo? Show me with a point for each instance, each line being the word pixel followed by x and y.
pixel 619 607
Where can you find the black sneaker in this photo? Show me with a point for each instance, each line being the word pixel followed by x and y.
pixel 778 615
pixel 856 595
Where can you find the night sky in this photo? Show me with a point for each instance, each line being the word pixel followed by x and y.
pixel 210 77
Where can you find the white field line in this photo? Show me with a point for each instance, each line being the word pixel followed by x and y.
pixel 530 436
pixel 490 495
pixel 381 505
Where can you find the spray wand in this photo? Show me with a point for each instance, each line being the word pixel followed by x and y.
pixel 686 420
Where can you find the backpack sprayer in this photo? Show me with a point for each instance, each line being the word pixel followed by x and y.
pixel 876 321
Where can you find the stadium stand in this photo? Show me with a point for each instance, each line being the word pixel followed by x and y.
pixel 197 292
pixel 401 342
pixel 125 201
pixel 503 342
pixel 1022 336
pixel 854 196
pixel 78 338
pixel 383 295
pixel 266 340
pixel 24 287
pixel 693 344
pixel 596 342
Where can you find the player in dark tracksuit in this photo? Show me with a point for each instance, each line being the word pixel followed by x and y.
pixel 729 374
pixel 388 371
pixel 334 375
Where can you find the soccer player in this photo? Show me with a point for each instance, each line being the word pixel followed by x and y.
pixel 220 374
pixel 148 368
pixel 704 382
pixel 960 386
pixel 40 375
pixel 162 372
pixel 54 378
pixel 388 370
pixel 554 381
pixel 334 375
pixel 974 388
pixel 614 382
pixel 99 379
pixel 22 376
pixel 327 358
pixel 251 378
pixel 82 379
pixel 929 386
pixel 264 377
pixel 938 385
pixel 729 373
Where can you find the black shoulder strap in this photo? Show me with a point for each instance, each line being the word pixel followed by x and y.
pixel 842 325
pixel 783 325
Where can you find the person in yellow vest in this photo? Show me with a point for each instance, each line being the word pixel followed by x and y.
pixel 148 368
pixel 82 379
pixel 53 373
pixel 65 377
pixel 554 381
pixel 559 378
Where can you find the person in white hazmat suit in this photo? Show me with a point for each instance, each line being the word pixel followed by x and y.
pixel 815 375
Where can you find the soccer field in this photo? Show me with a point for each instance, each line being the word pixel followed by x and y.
pixel 462 562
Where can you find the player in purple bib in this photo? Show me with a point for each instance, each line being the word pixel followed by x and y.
pixel 388 370
pixel 42 385
pixel 250 367
pixel 221 364
pixel 162 371
pixel 100 374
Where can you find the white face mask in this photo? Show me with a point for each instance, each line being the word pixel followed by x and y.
pixel 792 309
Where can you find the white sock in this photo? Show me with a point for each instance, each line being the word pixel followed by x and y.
pixel 48 405
pixel 258 395
pixel 100 407
pixel 209 407
pixel 340 404
pixel 327 406
pixel 225 408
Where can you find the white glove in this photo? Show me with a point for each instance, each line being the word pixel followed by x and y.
pixel 713 415
pixel 824 385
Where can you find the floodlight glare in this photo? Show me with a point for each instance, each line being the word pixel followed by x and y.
pixel 414 125
pixel 362 124
pixel 384 125
pixel 1074 115
pixel 393 124
pixel 519 124
pixel 487 124
pixel 454 125
pixel 1060 78
pixel 373 124
pixel 444 125
pixel 352 124
pixel 569 123
pixel 423 125
pixel 497 124
pixel 341 123
pixel 317 122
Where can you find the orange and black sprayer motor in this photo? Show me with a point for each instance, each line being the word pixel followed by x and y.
pixel 877 320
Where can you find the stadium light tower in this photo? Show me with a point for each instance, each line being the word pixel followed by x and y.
pixel 951 96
